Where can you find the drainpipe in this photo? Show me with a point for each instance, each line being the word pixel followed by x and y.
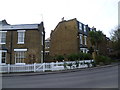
pixel 43 36
pixel 11 46
pixel 44 47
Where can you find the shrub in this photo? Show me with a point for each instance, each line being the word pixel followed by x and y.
pixel 59 58
pixel 87 56
pixel 107 60
pixel 72 57
pixel 102 59
pixel 81 56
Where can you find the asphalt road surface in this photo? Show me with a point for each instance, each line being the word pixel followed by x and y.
pixel 94 78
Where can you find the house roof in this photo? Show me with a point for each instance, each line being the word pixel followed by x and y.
pixel 3 22
pixel 6 26
pixel 21 26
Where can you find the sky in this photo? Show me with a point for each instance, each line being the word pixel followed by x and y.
pixel 102 14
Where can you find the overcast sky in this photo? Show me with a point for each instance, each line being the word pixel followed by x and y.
pixel 102 14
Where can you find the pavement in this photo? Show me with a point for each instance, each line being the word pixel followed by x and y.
pixel 54 72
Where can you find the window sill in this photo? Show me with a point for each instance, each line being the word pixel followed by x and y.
pixel 21 43
pixel 2 43
pixel 3 64
pixel 20 64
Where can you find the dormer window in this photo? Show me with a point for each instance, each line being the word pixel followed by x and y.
pixel 85 39
pixel 80 26
pixel 81 40
pixel 21 36
pixel 84 28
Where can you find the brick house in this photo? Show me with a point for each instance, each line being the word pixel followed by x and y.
pixel 70 37
pixel 21 44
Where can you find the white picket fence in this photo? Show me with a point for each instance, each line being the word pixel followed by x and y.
pixel 41 67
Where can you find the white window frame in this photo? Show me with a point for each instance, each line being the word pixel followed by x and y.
pixel 1 57
pixel 85 50
pixel 81 38
pixel 84 28
pixel 1 37
pixel 80 26
pixel 85 39
pixel 19 50
pixel 19 37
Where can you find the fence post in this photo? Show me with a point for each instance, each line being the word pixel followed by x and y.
pixel 8 68
pixel 34 67
pixel 52 65
pixel 56 63
pixel 43 67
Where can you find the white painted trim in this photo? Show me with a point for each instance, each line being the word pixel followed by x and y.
pixel 2 63
pixel 83 48
pixel 19 63
pixel 47 51
pixel 20 49
pixel 81 34
pixel 21 30
pixel 3 50
pixel 3 31
pixel 20 43
pixel 2 43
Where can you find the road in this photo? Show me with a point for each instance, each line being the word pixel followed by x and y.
pixel 93 78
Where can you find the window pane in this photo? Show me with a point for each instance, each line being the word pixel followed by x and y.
pixel 3 54
pixel 80 26
pixel 3 60
pixel 84 28
pixel 3 57
pixel 20 57
pixel 81 41
pixel 21 37
pixel 2 37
